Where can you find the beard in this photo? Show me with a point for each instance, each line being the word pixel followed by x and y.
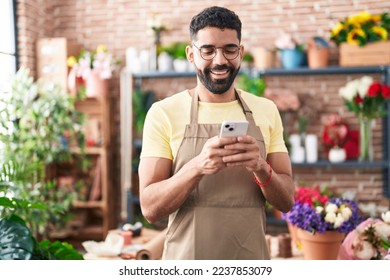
pixel 217 86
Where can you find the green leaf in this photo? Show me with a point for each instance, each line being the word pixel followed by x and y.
pixel 16 242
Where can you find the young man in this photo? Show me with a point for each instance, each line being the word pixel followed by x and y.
pixel 214 189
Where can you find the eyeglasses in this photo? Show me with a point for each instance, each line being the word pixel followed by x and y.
pixel 230 52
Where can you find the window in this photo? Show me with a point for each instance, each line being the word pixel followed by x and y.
pixel 8 58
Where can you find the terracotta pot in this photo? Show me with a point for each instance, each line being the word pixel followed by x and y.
pixel 318 57
pixel 96 86
pixel 320 246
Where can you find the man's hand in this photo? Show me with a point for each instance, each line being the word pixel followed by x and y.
pixel 247 154
pixel 211 159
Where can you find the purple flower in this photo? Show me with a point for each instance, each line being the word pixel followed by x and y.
pixel 313 218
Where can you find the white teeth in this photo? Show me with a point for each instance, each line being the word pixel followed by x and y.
pixel 219 72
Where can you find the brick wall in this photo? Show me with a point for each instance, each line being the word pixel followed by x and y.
pixel 120 24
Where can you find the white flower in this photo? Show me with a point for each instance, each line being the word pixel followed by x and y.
pixel 346 212
pixel 339 220
pixel 350 90
pixel 382 229
pixel 319 209
pixel 364 84
pixel 331 208
pixel 330 217
pixel 363 249
pixel 285 41
pixel 386 217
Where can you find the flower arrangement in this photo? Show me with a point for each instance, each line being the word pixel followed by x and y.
pixel 365 97
pixel 286 41
pixel 361 29
pixel 100 61
pixel 369 241
pixel 317 210
pixel 335 132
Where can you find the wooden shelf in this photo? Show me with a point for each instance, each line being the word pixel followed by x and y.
pixel 93 217
pixel 88 204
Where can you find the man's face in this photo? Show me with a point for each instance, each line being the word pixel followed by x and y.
pixel 218 73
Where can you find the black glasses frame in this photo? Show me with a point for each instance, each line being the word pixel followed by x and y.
pixel 215 51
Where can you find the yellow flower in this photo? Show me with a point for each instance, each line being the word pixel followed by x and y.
pixel 101 48
pixel 353 35
pixel 376 18
pixel 336 30
pixel 361 29
pixel 71 61
pixel 360 18
pixel 381 32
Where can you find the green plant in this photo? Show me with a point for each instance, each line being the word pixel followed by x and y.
pixel 254 85
pixel 176 50
pixel 248 57
pixel 142 101
pixel 37 125
pixel 16 239
pixel 361 29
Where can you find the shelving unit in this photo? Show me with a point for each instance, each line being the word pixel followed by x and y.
pixel 384 72
pixel 92 216
pixel 130 81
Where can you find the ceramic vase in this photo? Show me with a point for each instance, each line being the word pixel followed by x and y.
pixel 337 154
pixel 320 246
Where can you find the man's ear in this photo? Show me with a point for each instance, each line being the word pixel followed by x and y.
pixel 190 54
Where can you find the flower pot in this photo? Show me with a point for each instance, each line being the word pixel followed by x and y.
pixel 318 57
pixel 320 246
pixel 337 154
pixel 96 86
pixel 376 53
pixel 180 65
pixel 292 58
pixel 317 53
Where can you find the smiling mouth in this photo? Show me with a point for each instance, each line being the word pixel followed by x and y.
pixel 219 72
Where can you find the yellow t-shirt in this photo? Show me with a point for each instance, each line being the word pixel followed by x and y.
pixel 166 121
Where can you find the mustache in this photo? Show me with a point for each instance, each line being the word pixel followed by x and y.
pixel 220 67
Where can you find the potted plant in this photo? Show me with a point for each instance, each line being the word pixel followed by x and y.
pixel 334 137
pixel 248 83
pixel 292 53
pixel 92 70
pixel 363 39
pixel 180 62
pixel 322 220
pixel 38 125
pixel 16 239
pixel 247 61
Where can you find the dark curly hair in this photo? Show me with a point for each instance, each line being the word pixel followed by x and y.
pixel 215 17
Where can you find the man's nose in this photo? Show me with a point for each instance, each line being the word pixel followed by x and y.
pixel 219 56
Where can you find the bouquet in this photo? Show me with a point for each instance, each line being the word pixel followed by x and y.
pixel 369 241
pixel 365 97
pixel 361 29
pixel 319 211
pixel 100 61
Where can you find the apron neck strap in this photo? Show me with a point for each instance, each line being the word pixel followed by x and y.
pixel 245 108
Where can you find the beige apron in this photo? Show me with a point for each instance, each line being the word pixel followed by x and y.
pixel 224 217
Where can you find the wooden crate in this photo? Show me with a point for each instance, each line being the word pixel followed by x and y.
pixel 377 53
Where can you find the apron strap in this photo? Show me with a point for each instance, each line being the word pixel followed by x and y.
pixel 194 108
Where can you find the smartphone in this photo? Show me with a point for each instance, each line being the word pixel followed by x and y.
pixel 233 128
